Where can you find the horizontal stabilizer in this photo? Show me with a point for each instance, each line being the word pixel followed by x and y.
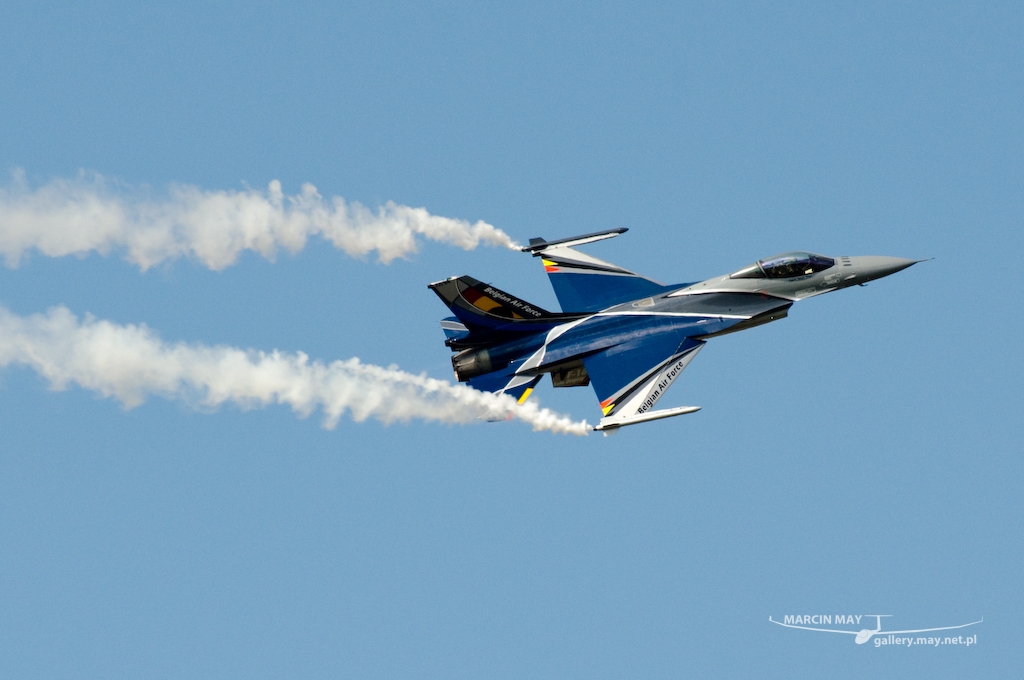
pixel 538 244
pixel 609 425
pixel 453 328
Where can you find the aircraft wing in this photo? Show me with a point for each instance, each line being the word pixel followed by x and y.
pixel 583 283
pixel 630 378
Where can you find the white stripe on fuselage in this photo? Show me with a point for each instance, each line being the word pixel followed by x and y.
pixel 705 291
pixel 690 314
pixel 537 358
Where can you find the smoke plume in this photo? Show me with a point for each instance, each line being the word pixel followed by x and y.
pixel 130 363
pixel 89 213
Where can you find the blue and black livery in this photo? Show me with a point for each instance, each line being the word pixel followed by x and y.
pixel 627 335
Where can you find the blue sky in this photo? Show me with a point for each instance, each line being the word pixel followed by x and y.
pixel 860 457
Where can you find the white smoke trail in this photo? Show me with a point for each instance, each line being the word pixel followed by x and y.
pixel 89 213
pixel 131 362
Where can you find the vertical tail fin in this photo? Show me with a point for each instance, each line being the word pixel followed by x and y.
pixel 492 333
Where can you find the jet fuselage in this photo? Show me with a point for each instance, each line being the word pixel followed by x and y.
pixel 631 347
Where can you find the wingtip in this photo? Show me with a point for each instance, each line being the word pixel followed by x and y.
pixel 538 244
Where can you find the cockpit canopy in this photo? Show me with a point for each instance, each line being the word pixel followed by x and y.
pixel 785 266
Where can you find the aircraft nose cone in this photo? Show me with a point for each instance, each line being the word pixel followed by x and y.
pixel 871 267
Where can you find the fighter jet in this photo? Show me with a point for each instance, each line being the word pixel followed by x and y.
pixel 629 336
